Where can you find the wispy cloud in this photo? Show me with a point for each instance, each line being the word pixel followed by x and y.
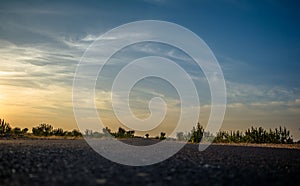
pixel 248 93
pixel 40 64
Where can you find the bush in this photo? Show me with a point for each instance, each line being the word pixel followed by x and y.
pixel 5 129
pixel 162 136
pixel 17 131
pixel 42 130
pixel 196 134
pixel 24 131
pixel 58 132
pixel 122 133
pixel 255 135
pixel 76 133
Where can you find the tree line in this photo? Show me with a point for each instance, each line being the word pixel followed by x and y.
pixel 42 129
pixel 6 130
pixel 256 135
pixel 120 133
pixel 45 129
pixel 252 135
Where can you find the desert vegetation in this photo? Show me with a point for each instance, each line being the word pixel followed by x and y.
pixel 252 135
pixel 42 130
pixel 6 130
pixel 256 135
pixel 280 135
pixel 47 130
pixel 120 133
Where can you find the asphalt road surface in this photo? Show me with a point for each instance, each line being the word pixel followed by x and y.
pixel 73 162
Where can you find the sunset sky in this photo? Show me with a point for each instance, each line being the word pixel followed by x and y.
pixel 256 43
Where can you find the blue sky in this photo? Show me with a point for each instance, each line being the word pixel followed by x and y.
pixel 257 44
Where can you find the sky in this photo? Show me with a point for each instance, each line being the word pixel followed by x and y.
pixel 256 43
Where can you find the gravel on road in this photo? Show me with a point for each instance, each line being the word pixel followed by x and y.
pixel 73 162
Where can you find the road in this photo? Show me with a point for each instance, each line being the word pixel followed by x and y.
pixel 73 162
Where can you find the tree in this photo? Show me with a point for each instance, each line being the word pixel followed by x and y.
pixel 147 135
pixel 255 135
pixel 25 130
pixel 76 133
pixel 58 132
pixel 5 128
pixel 197 133
pixel 130 133
pixel 16 131
pixel 106 130
pixel 121 132
pixel 42 130
pixel 68 133
pixel 162 136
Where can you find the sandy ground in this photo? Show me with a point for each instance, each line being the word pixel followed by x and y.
pixel 287 146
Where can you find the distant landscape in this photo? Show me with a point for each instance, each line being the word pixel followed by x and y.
pixel 258 135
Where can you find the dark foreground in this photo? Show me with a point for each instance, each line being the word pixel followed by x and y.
pixel 73 162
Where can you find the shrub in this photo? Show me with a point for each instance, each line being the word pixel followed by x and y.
pixel 42 130
pixel 147 135
pixel 76 133
pixel 16 131
pixel 162 136
pixel 196 133
pixel 58 132
pixel 5 129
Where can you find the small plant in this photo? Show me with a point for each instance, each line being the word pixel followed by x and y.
pixel 5 129
pixel 16 131
pixel 59 132
pixel 24 131
pixel 197 133
pixel 76 133
pixel 162 136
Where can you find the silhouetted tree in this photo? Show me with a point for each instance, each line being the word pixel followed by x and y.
pixel 76 133
pixel 121 133
pixel 197 133
pixel 106 131
pixel 42 130
pixel 255 135
pixel 5 128
pixel 25 130
pixel 130 133
pixel 147 135
pixel 59 132
pixel 17 131
pixel 162 136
